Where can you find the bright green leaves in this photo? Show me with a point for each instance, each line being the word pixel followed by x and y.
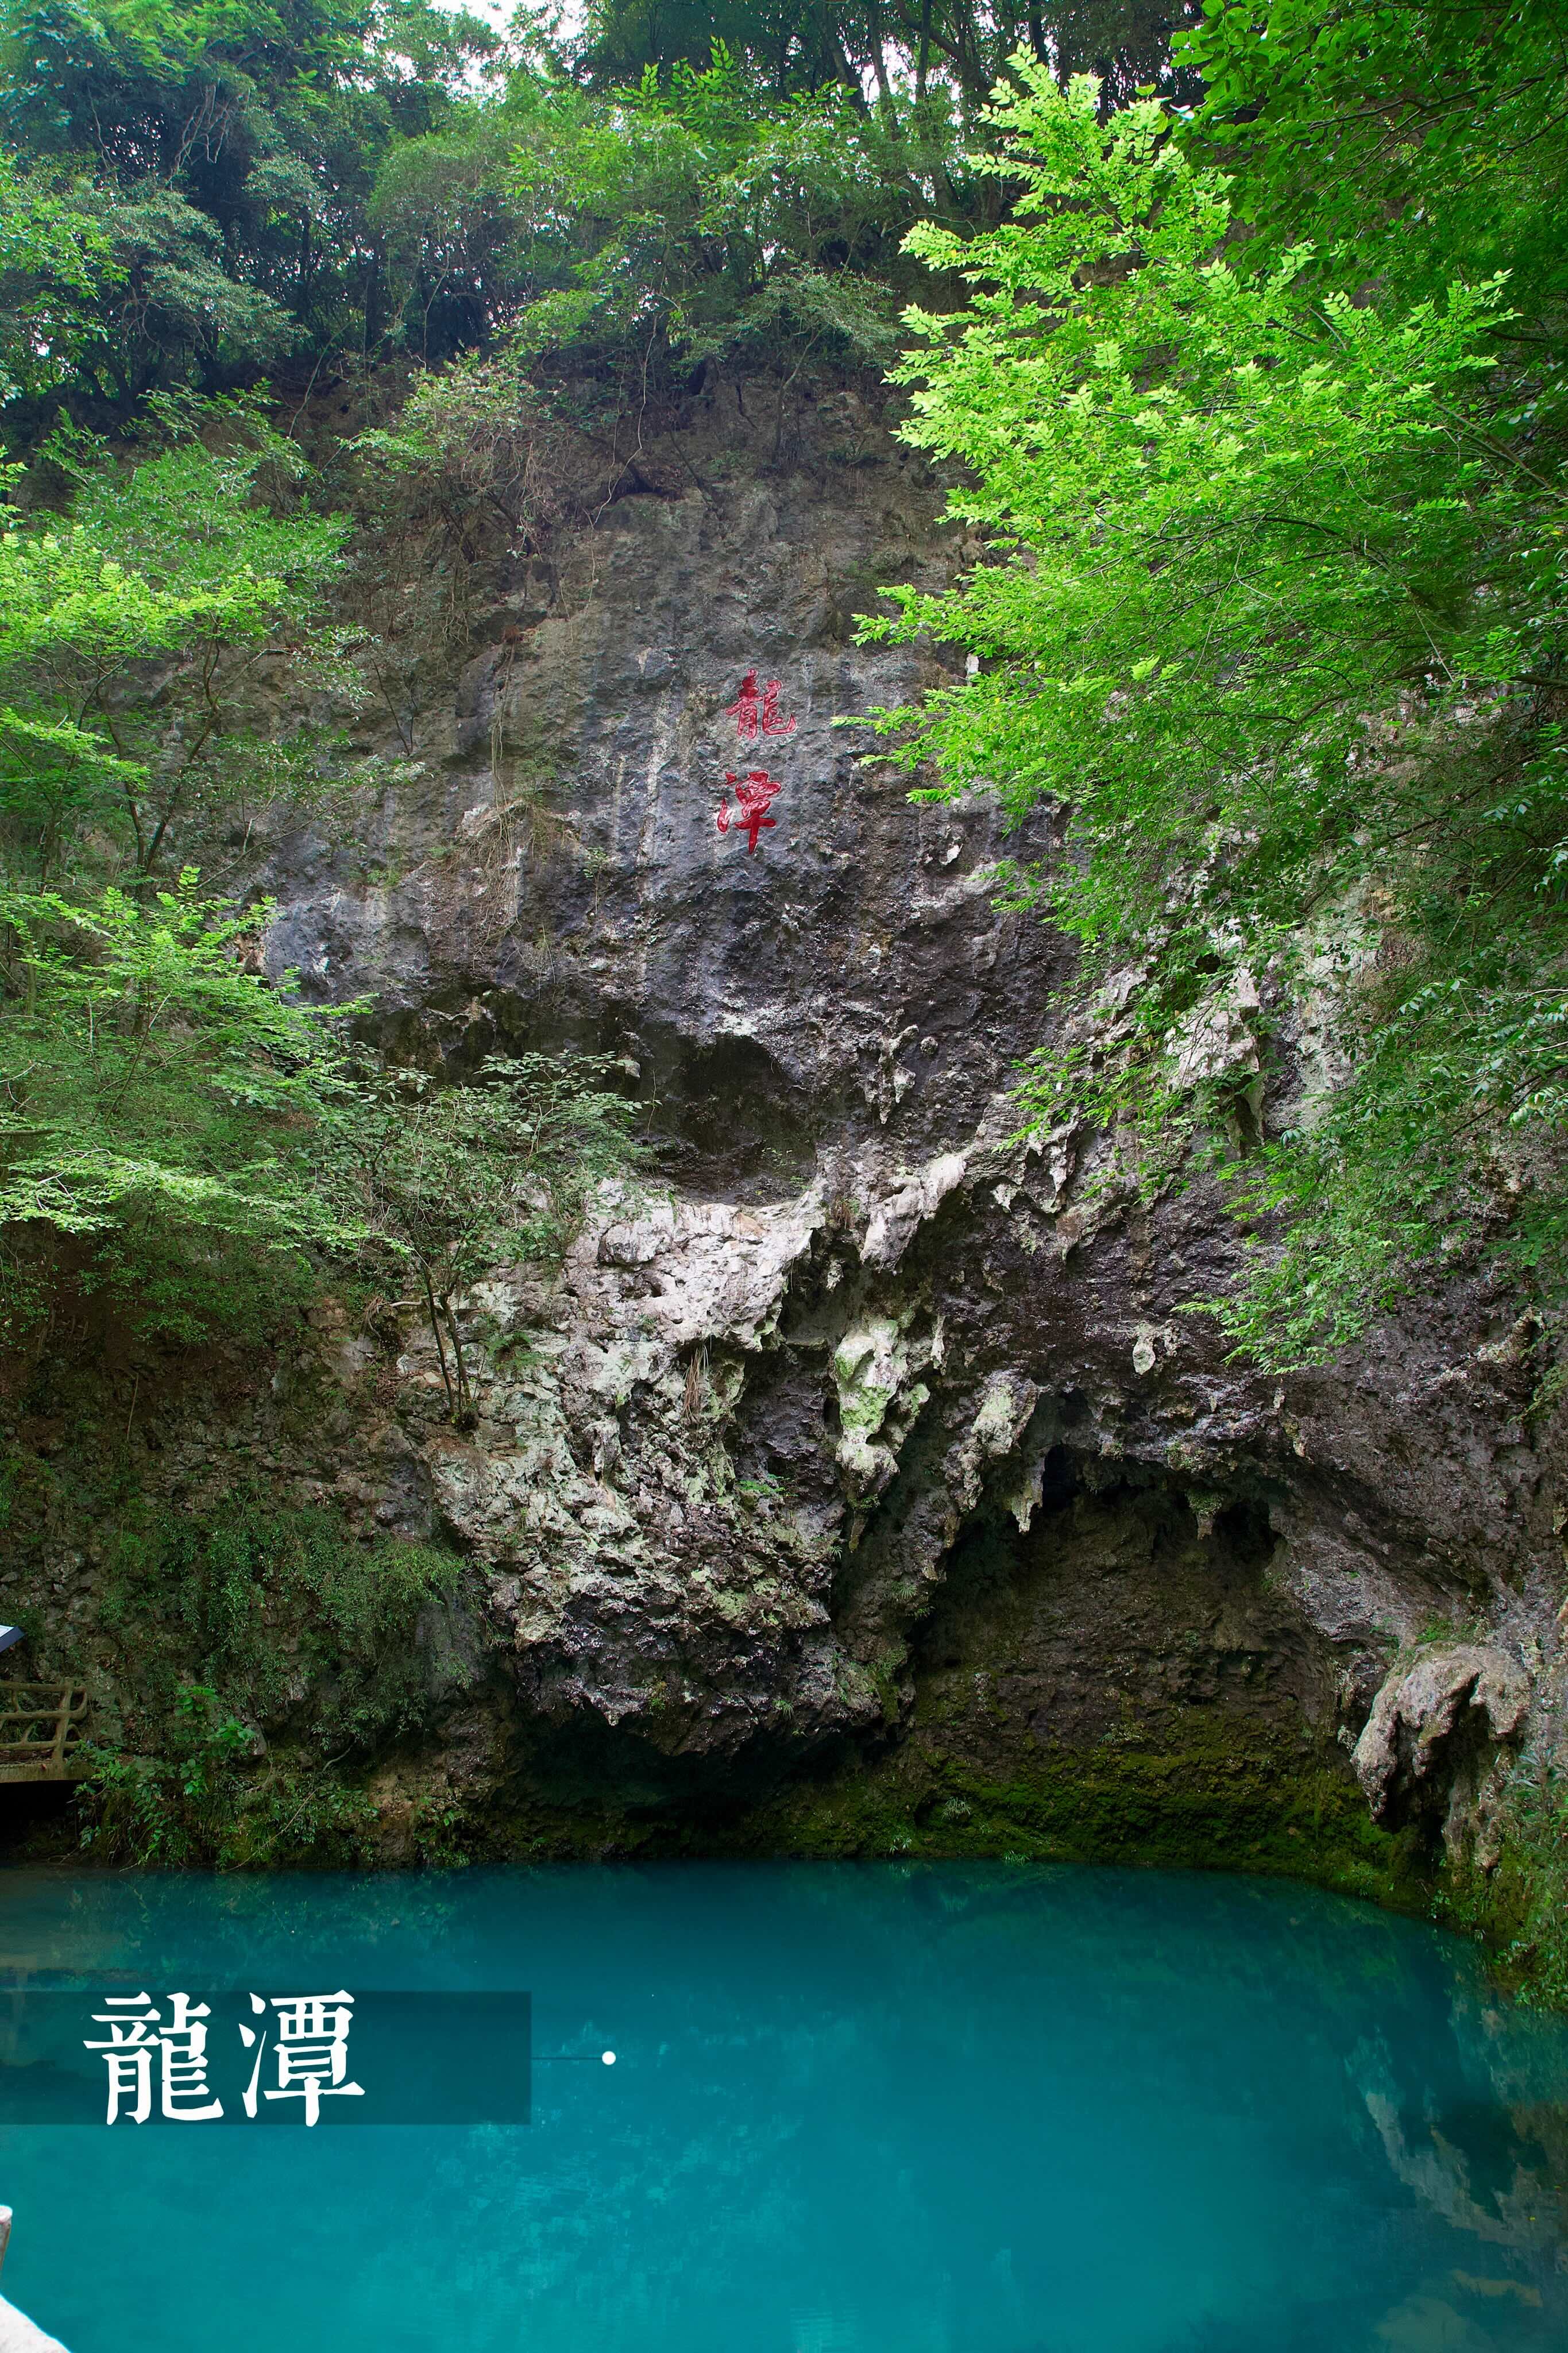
pixel 1210 483
pixel 178 561
pixel 160 1101
pixel 1275 609
pixel 147 1077
pixel 1088 201
pixel 446 1183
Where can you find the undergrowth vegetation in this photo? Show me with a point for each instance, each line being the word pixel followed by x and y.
pixel 1521 1905
pixel 263 1655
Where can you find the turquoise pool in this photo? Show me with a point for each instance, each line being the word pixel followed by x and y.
pixel 854 2109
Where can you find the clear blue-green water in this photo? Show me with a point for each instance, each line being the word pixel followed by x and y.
pixel 854 2109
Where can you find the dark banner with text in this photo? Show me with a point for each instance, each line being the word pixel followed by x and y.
pixel 254 2058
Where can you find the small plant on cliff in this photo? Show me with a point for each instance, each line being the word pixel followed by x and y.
pixel 475 465
pixel 295 1623
pixel 1521 1905
pixel 200 1800
pixel 447 1182
pixel 259 1650
pixel 156 1809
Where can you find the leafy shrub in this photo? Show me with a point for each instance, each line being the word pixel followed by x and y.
pixel 290 1618
pixel 260 1648
pixel 196 1802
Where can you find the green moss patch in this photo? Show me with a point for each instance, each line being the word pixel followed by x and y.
pixel 1196 1809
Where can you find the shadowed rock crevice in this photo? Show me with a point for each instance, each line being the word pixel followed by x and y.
pixel 1121 1607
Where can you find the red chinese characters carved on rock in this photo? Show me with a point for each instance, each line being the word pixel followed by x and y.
pixel 753 791
pixel 756 712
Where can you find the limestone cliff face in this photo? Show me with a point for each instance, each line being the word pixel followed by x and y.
pixel 858 1435
pixel 864 1392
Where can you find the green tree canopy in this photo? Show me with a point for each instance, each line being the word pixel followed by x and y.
pixel 301 191
pixel 1274 615
pixel 229 150
pixel 803 46
pixel 131 629
pixel 1411 144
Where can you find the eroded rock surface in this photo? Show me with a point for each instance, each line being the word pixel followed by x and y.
pixel 1435 1731
pixel 719 1488
pixel 864 1422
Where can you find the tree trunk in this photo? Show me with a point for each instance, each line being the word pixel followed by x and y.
pixel 434 1314
pixel 464 1399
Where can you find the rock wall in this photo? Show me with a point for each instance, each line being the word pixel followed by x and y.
pixel 862 1481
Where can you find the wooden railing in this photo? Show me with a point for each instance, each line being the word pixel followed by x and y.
pixel 41 1725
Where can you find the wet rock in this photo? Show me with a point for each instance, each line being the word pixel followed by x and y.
pixel 1432 1739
